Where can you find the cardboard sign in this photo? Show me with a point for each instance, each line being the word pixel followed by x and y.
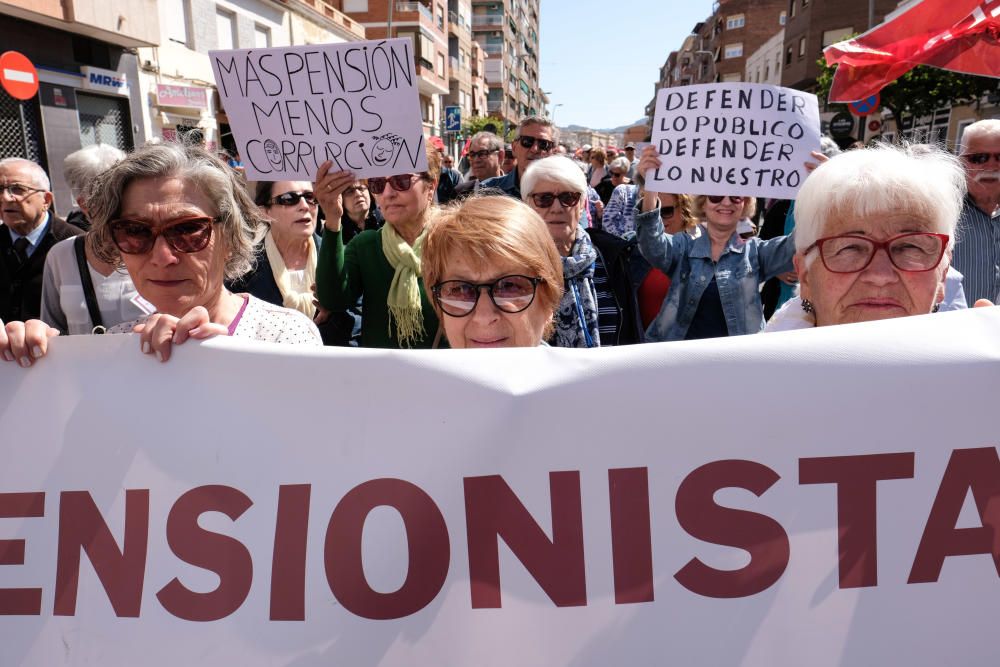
pixel 733 139
pixel 292 108
pixel 481 512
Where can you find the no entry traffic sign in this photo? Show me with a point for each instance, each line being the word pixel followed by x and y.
pixel 867 106
pixel 18 76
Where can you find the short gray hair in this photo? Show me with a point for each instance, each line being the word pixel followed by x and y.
pixel 620 163
pixel 983 129
pixel 557 168
pixel 870 182
pixel 82 167
pixel 492 141
pixel 41 179
pixel 241 220
pixel 538 120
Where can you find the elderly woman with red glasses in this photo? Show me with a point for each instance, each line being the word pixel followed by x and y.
pixel 181 223
pixel 381 266
pixel 715 277
pixel 874 229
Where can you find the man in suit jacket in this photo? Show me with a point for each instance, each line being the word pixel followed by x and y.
pixel 29 230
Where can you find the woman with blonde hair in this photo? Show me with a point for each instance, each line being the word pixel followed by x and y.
pixel 499 246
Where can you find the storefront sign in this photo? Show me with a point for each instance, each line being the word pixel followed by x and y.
pixel 104 80
pixel 185 97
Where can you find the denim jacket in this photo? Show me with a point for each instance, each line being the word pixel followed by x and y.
pixel 741 268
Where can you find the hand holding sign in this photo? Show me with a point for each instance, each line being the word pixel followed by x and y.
pixel 329 188
pixel 733 139
pixel 294 108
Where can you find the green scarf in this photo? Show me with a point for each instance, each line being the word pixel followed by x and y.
pixel 405 307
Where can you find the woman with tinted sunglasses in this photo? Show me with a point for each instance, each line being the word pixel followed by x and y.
pixel 714 278
pixel 494 274
pixel 285 263
pixel 382 266
pixel 598 305
pixel 181 223
pixel 874 229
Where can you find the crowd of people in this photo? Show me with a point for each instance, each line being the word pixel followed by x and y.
pixel 169 241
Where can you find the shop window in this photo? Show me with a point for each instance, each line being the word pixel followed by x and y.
pixel 104 120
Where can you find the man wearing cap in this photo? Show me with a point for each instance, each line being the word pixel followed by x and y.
pixel 977 245
pixel 536 137
pixel 633 160
pixel 29 230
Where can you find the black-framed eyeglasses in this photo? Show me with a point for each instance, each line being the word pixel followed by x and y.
pixel 511 294
pixel 544 145
pixel 980 158
pixel 483 154
pixel 667 211
pixel 292 198
pixel 546 199
pixel 399 182
pixel 187 235
pixel 913 252
pixel 19 191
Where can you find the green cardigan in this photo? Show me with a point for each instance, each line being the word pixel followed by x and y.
pixel 344 273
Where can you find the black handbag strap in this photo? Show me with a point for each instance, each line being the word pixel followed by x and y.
pixel 88 285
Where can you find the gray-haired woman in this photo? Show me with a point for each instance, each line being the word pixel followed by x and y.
pixel 181 222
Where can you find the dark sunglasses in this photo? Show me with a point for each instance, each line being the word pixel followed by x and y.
pixel 667 211
pixel 483 154
pixel 292 198
pixel 362 188
pixel 399 182
pixel 545 199
pixel 717 199
pixel 980 158
pixel 511 294
pixel 183 235
pixel 619 174
pixel 544 145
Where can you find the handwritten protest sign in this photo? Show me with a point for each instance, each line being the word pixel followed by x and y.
pixel 463 520
pixel 292 108
pixel 733 139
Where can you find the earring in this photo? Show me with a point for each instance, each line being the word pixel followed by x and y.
pixel 807 306
pixel 936 308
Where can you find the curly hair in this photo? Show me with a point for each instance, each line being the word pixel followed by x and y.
pixel 241 221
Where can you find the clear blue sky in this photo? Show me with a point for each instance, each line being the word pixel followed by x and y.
pixel 600 59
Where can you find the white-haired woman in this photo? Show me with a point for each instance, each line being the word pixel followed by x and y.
pixel 874 230
pixel 181 222
pixel 81 293
pixel 617 174
pixel 598 306
pixel 714 278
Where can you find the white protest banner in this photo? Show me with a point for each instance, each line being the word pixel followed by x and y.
pixel 733 139
pixel 821 497
pixel 292 108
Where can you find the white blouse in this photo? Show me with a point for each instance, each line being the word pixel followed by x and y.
pixel 263 321
pixel 64 306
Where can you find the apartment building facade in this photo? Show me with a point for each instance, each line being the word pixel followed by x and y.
pixel 507 31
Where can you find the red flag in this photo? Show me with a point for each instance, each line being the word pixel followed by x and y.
pixel 958 35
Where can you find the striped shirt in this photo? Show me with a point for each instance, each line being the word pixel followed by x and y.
pixel 977 252
pixel 607 306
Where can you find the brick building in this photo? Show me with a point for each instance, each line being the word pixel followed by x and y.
pixel 735 29
pixel 426 24
pixel 813 25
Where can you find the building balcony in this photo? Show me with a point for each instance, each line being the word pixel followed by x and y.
pixel 404 7
pixel 329 10
pixel 134 23
pixel 487 20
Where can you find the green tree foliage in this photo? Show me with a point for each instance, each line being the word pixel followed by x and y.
pixel 478 123
pixel 920 92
